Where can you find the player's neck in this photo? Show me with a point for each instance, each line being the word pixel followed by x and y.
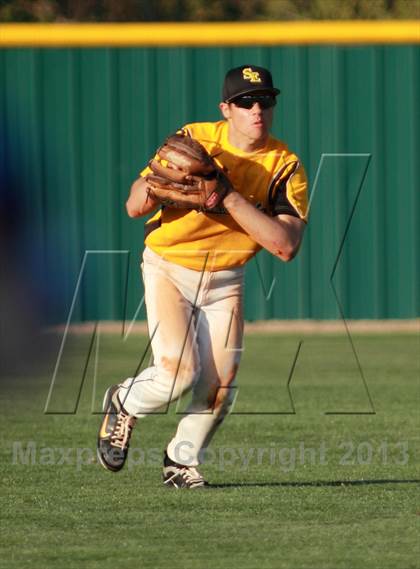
pixel 245 143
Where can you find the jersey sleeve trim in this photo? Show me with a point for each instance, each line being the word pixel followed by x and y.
pixel 278 201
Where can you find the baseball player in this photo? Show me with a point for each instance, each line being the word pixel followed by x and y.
pixel 222 191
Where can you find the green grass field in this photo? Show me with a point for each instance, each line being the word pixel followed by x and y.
pixel 316 480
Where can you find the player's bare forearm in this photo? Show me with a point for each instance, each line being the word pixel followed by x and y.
pixel 280 235
pixel 139 201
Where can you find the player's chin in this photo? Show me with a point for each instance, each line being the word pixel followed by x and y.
pixel 259 131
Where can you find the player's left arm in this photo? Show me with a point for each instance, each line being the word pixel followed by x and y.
pixel 281 229
pixel 280 235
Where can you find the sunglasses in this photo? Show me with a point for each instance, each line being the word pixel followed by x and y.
pixel 247 101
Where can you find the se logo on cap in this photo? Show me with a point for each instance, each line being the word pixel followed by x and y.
pixel 251 76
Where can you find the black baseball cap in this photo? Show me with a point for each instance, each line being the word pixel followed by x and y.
pixel 246 79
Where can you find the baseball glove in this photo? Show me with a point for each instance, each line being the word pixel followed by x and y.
pixel 191 178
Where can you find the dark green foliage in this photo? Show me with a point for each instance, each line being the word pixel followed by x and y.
pixel 202 10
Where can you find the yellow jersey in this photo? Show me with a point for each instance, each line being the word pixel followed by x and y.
pixel 271 178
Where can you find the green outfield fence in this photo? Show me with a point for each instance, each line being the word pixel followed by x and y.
pixel 78 120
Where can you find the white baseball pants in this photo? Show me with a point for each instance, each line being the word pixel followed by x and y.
pixel 196 326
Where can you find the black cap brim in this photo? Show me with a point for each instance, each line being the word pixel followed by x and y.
pixel 256 89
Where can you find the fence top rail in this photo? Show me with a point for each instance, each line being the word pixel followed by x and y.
pixel 215 34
